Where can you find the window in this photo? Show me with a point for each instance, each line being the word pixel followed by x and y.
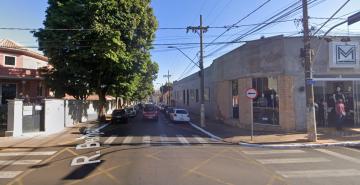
pixel 187 97
pixel 9 61
pixel 207 94
pixel 184 96
pixel 235 98
pixel 265 106
pixel 197 95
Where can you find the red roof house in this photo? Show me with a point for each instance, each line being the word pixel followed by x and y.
pixel 19 74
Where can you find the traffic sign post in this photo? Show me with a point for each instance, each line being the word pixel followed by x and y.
pixel 251 94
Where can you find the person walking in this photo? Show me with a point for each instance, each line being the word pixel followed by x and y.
pixel 340 113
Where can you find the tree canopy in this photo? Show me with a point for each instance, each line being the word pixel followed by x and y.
pixel 99 46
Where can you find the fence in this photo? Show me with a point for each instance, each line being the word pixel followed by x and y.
pixel 51 116
pixel 3 119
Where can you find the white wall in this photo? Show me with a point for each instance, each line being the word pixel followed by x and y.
pixel 54 115
pixel 32 63
pixel 77 111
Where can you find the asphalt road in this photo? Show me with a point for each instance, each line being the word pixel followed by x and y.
pixel 164 153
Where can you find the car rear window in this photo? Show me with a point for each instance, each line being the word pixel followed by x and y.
pixel 181 112
pixel 118 112
pixel 149 108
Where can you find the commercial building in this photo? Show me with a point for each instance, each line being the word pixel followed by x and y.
pixel 275 68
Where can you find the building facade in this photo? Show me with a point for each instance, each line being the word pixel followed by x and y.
pixel 274 67
pixel 19 74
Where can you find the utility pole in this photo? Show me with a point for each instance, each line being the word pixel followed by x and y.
pixel 168 78
pixel 201 30
pixel 310 109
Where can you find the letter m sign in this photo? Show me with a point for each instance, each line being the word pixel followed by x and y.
pixel 346 54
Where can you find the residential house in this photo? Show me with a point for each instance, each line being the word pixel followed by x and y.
pixel 19 74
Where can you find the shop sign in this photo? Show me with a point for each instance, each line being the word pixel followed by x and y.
pixel 28 110
pixel 344 55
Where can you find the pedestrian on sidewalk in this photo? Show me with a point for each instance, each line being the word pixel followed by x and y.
pixel 340 113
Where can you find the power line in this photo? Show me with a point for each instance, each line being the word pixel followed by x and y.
pixel 277 17
pixel 252 12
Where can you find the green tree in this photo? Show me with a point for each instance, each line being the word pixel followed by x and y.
pixel 97 45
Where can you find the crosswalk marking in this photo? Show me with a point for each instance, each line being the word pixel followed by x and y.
pixel 199 139
pixel 127 140
pixel 26 153
pixel 182 139
pixel 319 173
pixel 341 156
pixel 292 160
pixel 266 152
pixel 110 140
pixel 15 149
pixel 146 139
pixel 19 162
pixel 163 139
pixel 9 174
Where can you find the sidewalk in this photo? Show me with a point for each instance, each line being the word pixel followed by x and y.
pixel 237 135
pixel 33 140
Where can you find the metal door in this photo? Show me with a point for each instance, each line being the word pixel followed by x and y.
pixel 32 117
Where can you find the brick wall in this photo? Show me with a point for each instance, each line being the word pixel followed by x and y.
pixel 223 99
pixel 286 102
pixel 245 103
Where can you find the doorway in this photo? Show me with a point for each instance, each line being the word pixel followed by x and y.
pixel 8 91
pixel 327 93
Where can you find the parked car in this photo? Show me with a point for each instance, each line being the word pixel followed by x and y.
pixel 170 112
pixel 168 109
pixel 119 116
pixel 150 112
pixel 180 115
pixel 131 112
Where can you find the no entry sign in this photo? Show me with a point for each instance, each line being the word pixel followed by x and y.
pixel 251 93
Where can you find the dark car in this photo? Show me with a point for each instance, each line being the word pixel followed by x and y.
pixel 150 112
pixel 119 116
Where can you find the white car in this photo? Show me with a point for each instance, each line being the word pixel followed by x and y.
pixel 180 115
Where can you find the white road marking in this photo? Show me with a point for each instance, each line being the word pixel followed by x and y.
pixel 266 152
pixel 16 149
pixel 27 153
pixel 19 162
pixel 292 160
pixel 9 174
pixel 341 156
pixel 182 139
pixel 146 139
pixel 110 140
pixel 127 140
pixel 319 173
pixel 199 139
pixel 352 149
pixel 163 139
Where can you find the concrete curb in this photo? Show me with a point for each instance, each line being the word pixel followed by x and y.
pixel 281 146
pixel 301 145
pixel 205 132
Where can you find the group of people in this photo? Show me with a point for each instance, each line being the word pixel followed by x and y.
pixel 337 101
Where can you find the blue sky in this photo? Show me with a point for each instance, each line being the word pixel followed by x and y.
pixel 183 13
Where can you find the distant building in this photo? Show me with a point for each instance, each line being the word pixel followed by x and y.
pixel 19 74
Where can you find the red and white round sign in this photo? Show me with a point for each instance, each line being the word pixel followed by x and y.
pixel 251 93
